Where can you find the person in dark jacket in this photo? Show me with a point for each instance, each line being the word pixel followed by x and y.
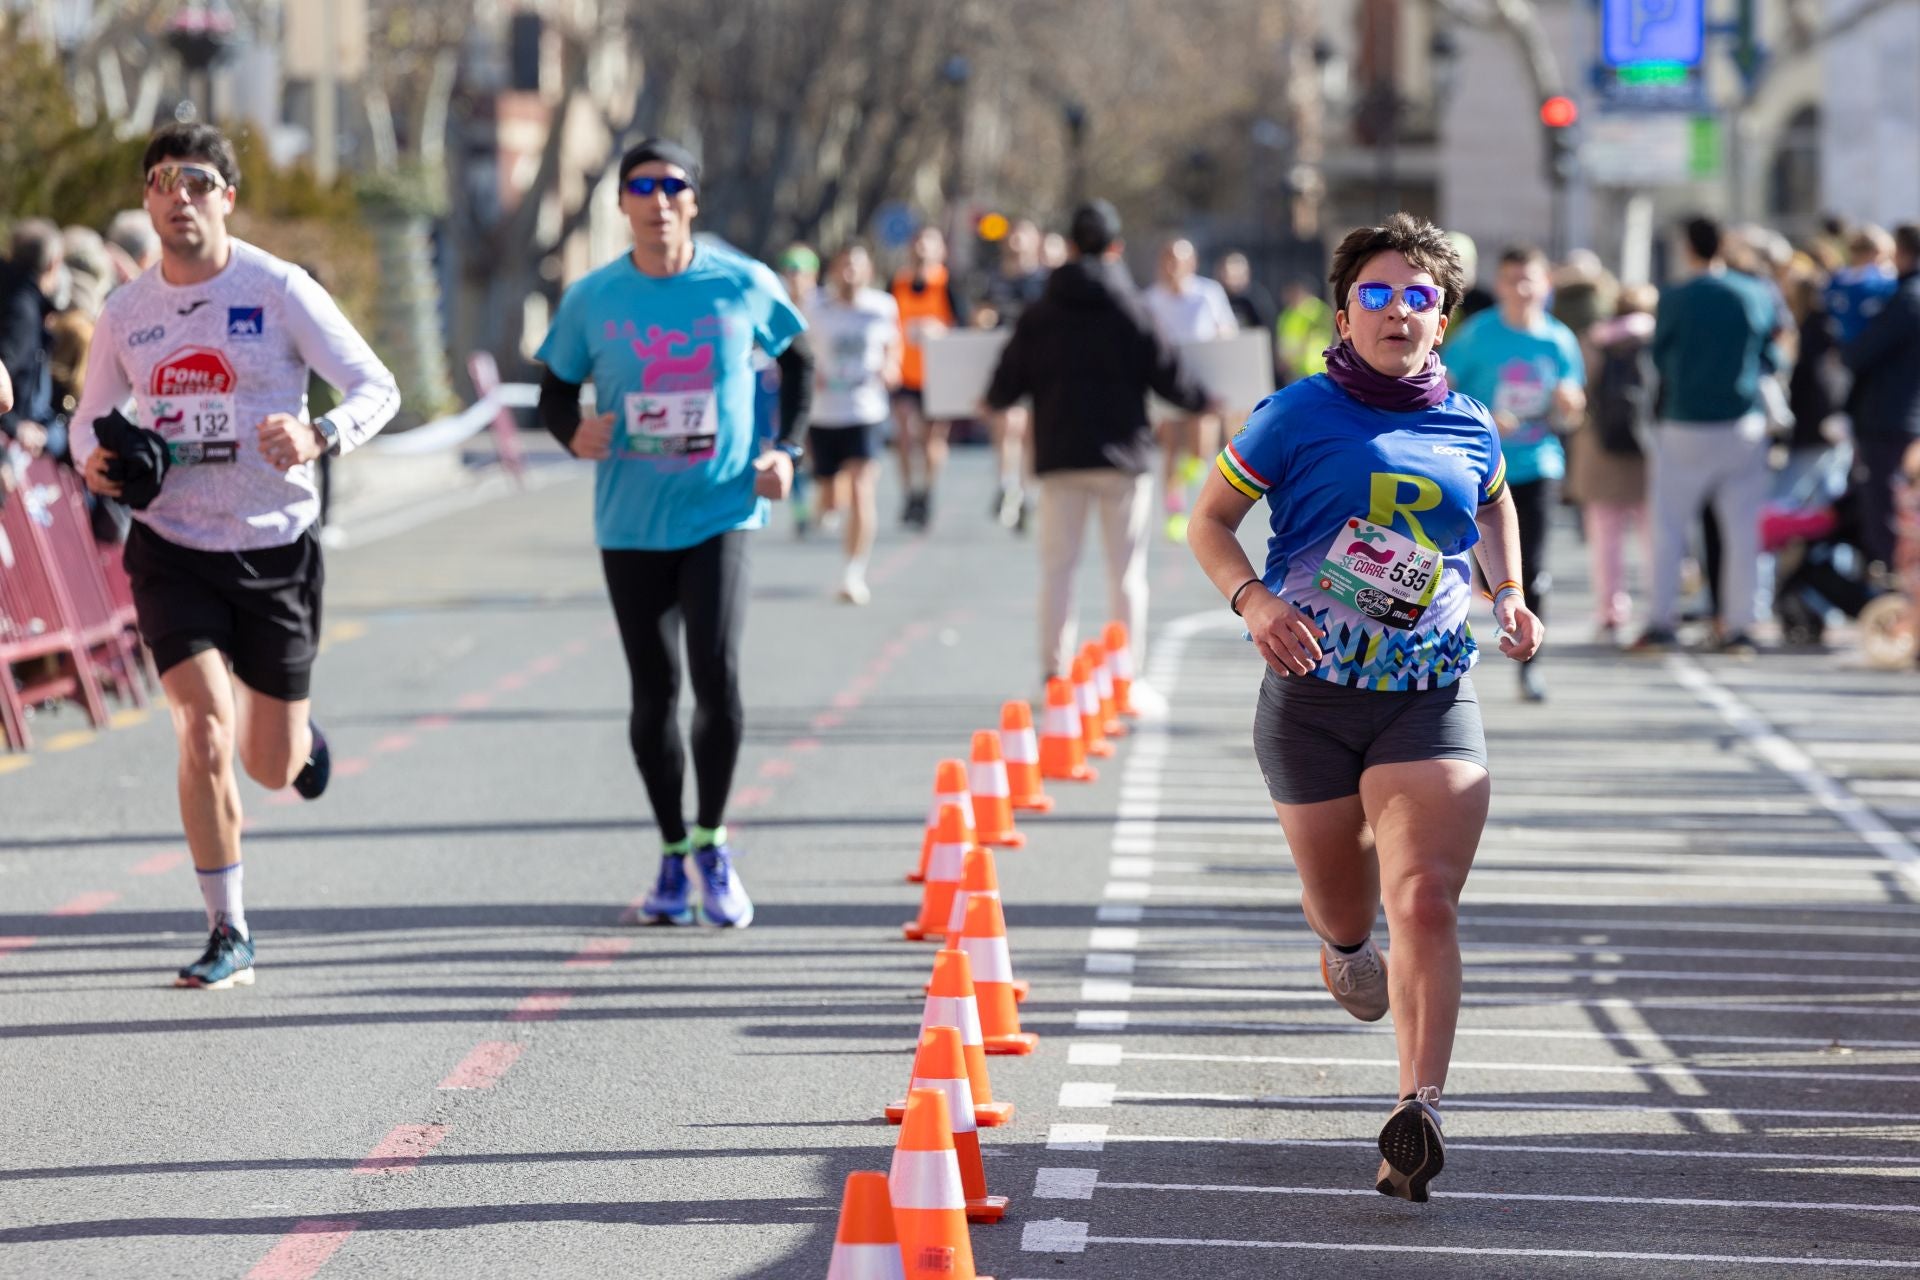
pixel 27 280
pixel 1087 354
pixel 1885 401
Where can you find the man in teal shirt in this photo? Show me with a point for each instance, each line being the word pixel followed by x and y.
pixel 1713 344
pixel 665 334
pixel 1527 368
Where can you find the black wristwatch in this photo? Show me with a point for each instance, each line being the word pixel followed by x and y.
pixel 793 450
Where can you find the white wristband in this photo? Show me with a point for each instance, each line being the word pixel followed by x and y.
pixel 1503 593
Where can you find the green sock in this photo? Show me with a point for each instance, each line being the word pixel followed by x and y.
pixel 709 837
pixel 676 848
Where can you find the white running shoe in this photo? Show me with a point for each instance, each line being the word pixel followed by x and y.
pixel 853 589
pixel 1148 702
pixel 1357 981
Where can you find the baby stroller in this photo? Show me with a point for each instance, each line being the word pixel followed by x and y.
pixel 1811 528
pixel 1890 626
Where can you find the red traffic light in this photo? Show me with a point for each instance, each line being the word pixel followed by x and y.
pixel 1558 112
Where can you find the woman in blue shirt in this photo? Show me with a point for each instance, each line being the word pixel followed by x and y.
pixel 1379 481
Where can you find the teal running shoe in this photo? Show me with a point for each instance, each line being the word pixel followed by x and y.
pixel 668 903
pixel 227 962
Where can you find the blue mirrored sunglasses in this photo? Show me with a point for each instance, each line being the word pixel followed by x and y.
pixel 646 186
pixel 1375 296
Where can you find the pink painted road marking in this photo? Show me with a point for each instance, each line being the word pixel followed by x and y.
pixel 777 769
pixel 541 1006
pixel 402 1149
pixel 751 797
pixel 599 953
pixel 545 666
pixel 846 700
pixel 473 701
pixel 575 648
pixel 350 768
pixel 393 742
pixel 15 944
pixel 303 1250
pixel 86 904
pixel 511 681
pixel 828 720
pixel 803 746
pixel 483 1068
pixel 160 863
pixel 426 724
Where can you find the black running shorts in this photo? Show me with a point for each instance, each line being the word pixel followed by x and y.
pixel 1314 738
pixel 831 448
pixel 261 608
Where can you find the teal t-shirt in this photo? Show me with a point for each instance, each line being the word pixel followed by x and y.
pixel 671 360
pixel 1516 371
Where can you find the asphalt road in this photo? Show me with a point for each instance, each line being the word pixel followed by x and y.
pixel 1691 1045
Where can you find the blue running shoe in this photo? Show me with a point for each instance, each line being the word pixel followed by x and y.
pixel 227 962
pixel 668 904
pixel 723 899
pixel 311 781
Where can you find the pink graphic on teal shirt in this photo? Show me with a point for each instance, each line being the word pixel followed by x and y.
pixel 673 420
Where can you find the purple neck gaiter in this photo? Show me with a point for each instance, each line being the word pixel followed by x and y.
pixel 1369 386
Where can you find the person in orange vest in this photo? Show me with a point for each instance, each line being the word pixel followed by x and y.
pixel 929 306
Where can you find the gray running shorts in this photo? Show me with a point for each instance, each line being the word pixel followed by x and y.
pixel 1314 738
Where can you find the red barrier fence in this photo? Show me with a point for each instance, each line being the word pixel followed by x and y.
pixel 66 611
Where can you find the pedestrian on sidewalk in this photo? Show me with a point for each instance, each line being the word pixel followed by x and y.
pixel 214 346
pixel 665 333
pixel 1087 353
pixel 1379 483
pixel 1885 401
pixel 1713 345
pixel 1607 475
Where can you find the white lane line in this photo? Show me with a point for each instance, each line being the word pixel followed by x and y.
pixel 1549 1197
pixel 1086 1093
pixel 1121 1020
pixel 1106 991
pixel 1500 898
pixel 1866 879
pixel 1282 945
pixel 1064 1184
pixel 1126 940
pixel 1126 891
pixel 1110 962
pixel 1372 1106
pixel 1085 1054
pixel 1904 1163
pixel 1141 915
pixel 1660 1069
pixel 1061 1236
pixel 1788 757
pixel 1564 975
pixel 1725 1004
pixel 1131 868
pixel 1077 1137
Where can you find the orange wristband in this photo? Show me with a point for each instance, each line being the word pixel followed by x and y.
pixel 1495 593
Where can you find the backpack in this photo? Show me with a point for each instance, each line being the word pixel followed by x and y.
pixel 1623 395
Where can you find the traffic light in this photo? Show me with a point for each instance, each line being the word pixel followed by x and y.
pixel 1559 117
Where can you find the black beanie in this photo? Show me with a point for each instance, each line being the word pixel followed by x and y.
pixel 649 149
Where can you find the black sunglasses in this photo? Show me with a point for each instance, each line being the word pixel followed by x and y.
pixel 647 185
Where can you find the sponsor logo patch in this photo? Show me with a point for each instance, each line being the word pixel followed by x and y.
pixel 246 322
pixel 193 371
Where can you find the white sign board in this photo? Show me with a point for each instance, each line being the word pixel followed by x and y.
pixel 1238 371
pixel 959 366
pixel 1641 150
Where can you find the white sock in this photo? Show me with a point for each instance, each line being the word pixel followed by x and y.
pixel 856 569
pixel 221 890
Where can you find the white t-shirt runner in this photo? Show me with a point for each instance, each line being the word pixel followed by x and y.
pixel 1198 313
pixel 850 353
pixel 204 365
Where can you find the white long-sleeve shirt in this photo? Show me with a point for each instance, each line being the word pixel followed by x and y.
pixel 205 365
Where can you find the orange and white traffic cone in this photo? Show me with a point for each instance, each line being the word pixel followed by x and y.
pixel 929 1199
pixel 940 1063
pixel 1063 750
pixel 949 787
pixel 946 864
pixel 1086 700
pixel 992 793
pixel 866 1247
pixel 951 1003
pixel 979 876
pixel 985 941
pixel 1120 666
pixel 1096 656
pixel 1020 748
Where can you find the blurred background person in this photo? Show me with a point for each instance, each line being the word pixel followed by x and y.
pixel 1607 474
pixel 1304 331
pixel 1884 404
pixel 29 282
pixel 132 244
pixel 798 267
pixel 856 337
pixel 1186 307
pixel 1858 290
pixel 1016 283
pixel 930 304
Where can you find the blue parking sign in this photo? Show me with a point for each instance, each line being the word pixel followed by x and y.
pixel 1652 31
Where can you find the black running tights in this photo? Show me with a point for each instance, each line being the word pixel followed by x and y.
pixel 700 591
pixel 1533 503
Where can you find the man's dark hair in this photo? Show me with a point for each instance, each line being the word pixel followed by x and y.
pixel 1906 241
pixel 1522 255
pixel 1415 239
pixel 197 141
pixel 36 245
pixel 1095 226
pixel 848 246
pixel 1704 235
pixel 664 151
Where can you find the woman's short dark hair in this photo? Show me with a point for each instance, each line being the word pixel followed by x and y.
pixel 1415 239
pixel 196 141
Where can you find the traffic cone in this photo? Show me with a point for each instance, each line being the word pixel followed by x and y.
pixel 949 787
pixel 1120 666
pixel 945 865
pixel 951 1003
pixel 1096 655
pixel 992 793
pixel 929 1199
pixel 1086 700
pixel 1063 752
pixel 985 941
pixel 978 876
pixel 1021 751
pixel 866 1247
pixel 941 1063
